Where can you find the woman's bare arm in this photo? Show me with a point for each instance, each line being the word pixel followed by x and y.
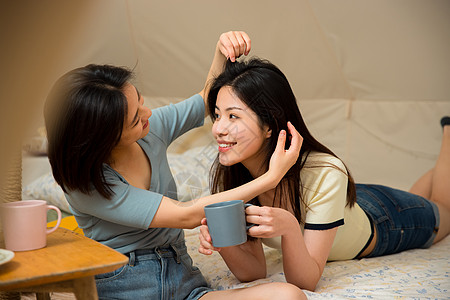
pixel 175 214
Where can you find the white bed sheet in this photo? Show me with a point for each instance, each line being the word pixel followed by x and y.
pixel 413 274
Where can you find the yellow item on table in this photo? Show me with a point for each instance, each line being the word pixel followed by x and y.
pixel 68 223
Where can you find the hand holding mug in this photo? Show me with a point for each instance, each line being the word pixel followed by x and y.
pixel 206 247
pixel 226 223
pixel 271 221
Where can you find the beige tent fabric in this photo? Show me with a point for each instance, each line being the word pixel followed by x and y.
pixel 390 50
pixel 370 76
pixel 183 36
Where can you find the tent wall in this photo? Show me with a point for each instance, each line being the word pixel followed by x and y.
pixel 371 77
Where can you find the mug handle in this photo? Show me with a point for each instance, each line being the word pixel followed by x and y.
pixel 251 224
pixel 50 230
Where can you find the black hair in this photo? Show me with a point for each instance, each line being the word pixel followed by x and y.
pixel 84 117
pixel 266 91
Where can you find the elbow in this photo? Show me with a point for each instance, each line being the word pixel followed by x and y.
pixel 311 288
pixel 251 276
pixel 310 285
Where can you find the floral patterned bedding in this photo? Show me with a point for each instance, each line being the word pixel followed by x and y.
pixel 413 274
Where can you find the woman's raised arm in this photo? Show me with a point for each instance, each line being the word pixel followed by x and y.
pixel 231 44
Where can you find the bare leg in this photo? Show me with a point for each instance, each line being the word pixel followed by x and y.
pixel 422 186
pixel 435 185
pixel 440 188
pixel 275 290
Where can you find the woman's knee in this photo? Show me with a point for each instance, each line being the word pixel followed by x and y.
pixel 266 291
pixel 287 291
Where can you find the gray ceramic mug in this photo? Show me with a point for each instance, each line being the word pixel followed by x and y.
pixel 226 223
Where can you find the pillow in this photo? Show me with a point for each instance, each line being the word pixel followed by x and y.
pixel 36 145
pixel 46 188
pixel 191 171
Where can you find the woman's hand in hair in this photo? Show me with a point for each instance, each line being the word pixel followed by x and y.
pixel 271 221
pixel 206 247
pixel 233 44
pixel 282 160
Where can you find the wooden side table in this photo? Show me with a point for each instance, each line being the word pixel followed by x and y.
pixel 67 264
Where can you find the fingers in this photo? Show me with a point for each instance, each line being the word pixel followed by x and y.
pixel 254 231
pixel 281 142
pixel 282 160
pixel 255 214
pixel 233 44
pixel 238 46
pixel 296 139
pixel 272 222
pixel 206 247
pixel 205 241
pixel 253 210
pixel 248 42
pixel 262 231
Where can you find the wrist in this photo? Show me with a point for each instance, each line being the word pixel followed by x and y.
pixel 275 176
pixel 270 180
pixel 218 53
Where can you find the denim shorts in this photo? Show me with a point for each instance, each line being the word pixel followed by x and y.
pixel 160 273
pixel 403 220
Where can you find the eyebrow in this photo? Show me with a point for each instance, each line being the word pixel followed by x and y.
pixel 231 108
pixel 134 121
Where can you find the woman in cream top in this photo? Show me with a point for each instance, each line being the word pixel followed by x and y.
pixel 325 208
pixel 316 213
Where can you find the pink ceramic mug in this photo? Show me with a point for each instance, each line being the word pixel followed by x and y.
pixel 25 224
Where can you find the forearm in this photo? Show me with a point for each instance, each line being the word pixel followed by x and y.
pixel 217 65
pixel 246 262
pixel 175 214
pixel 245 192
pixel 299 267
pixel 215 69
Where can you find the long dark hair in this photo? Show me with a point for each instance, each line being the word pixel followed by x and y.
pixel 266 91
pixel 84 116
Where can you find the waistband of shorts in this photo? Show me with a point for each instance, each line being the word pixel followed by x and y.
pixel 174 250
pixel 372 234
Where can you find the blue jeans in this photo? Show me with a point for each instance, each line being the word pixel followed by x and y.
pixel 403 220
pixel 160 273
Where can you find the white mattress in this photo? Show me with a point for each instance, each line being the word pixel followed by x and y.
pixel 413 274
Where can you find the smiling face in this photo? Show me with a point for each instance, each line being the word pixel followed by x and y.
pixel 135 124
pixel 238 132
